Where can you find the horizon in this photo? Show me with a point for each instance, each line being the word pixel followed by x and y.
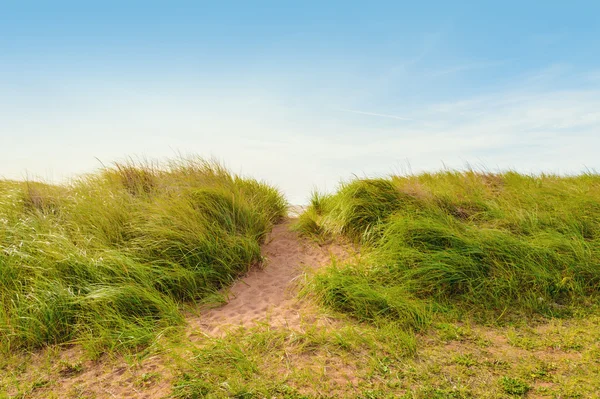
pixel 301 96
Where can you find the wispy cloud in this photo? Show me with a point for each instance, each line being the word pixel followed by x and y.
pixel 354 111
pixel 467 67
pixel 526 127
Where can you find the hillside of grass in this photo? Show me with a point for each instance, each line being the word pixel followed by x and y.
pixel 493 247
pixel 110 258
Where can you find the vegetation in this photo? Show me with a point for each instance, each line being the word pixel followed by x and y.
pixel 451 243
pixel 110 258
pixel 558 359
pixel 461 288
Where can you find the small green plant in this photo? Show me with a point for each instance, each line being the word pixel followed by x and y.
pixel 70 369
pixel 39 383
pixel 514 386
pixel 466 360
pixel 147 379
pixel 189 387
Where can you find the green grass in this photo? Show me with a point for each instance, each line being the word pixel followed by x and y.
pixel 494 247
pixel 278 363
pixel 468 285
pixel 449 360
pixel 514 386
pixel 110 258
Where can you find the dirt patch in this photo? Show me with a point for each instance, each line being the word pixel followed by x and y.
pixel 148 380
pixel 67 372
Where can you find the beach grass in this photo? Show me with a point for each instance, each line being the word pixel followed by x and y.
pixel 493 247
pixel 111 258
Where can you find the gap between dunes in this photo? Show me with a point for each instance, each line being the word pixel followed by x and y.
pixel 269 293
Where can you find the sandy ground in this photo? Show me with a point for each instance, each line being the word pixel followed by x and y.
pixel 269 293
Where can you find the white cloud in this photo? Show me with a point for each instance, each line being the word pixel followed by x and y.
pixel 302 146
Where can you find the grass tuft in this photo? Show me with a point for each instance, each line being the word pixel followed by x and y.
pixel 492 246
pixel 110 258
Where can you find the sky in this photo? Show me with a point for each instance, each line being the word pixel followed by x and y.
pixel 302 94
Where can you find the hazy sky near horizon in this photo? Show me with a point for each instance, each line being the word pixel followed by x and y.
pixel 301 94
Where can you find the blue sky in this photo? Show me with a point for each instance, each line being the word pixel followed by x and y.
pixel 301 94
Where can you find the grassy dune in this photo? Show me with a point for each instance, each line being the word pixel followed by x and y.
pixel 493 247
pixel 466 285
pixel 110 258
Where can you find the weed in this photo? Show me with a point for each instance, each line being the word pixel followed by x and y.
pixel 466 360
pixel 68 369
pixel 514 386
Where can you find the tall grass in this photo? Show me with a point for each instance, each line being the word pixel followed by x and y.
pixel 490 245
pixel 110 258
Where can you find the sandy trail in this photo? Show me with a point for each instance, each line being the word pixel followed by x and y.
pixel 268 294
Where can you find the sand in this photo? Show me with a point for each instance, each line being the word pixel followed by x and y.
pixel 269 293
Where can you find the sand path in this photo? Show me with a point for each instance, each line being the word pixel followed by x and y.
pixel 269 293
